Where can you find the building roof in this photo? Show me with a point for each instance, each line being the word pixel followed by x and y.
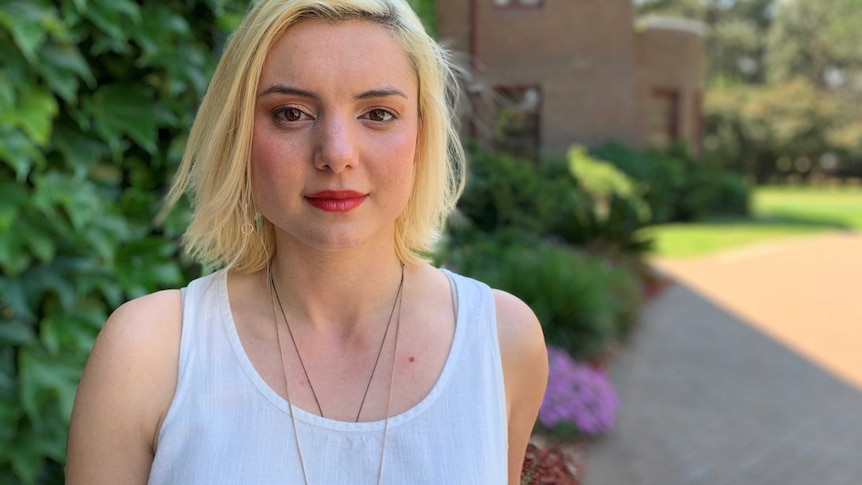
pixel 672 23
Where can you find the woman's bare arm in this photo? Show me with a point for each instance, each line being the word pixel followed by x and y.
pixel 126 388
pixel 525 371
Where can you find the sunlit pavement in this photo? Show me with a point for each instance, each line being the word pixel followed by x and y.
pixel 749 371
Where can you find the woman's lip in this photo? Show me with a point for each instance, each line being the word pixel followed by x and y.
pixel 335 194
pixel 336 200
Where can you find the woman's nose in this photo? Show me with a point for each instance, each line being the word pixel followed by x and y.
pixel 335 145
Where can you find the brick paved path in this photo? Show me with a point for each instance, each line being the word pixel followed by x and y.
pixel 709 398
pixel 804 292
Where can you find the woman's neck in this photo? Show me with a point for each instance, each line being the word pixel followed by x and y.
pixel 336 291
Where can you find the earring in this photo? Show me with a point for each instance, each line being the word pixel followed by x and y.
pixel 247 227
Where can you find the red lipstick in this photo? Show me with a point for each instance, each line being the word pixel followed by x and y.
pixel 336 200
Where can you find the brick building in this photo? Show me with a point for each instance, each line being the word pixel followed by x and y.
pixel 545 74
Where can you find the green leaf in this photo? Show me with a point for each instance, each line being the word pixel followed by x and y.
pixel 16 67
pixel 18 152
pixel 26 464
pixel 12 197
pixel 7 386
pixel 13 294
pixel 124 109
pixel 43 380
pixel 71 333
pixel 78 150
pixel 41 243
pixel 15 332
pixel 24 21
pixel 14 259
pixel 77 196
pixel 69 58
pixel 147 263
pixel 53 278
pixel 36 114
pixel 81 5
pixel 63 67
pixel 101 242
pixel 7 93
pixel 113 228
pixel 158 32
pixel 49 337
pixel 111 16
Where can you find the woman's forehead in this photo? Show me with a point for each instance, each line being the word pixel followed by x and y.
pixel 315 52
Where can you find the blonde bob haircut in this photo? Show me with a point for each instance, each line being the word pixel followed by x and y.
pixel 216 169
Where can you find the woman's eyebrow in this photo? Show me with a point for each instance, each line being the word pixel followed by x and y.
pixel 289 91
pixel 292 91
pixel 381 93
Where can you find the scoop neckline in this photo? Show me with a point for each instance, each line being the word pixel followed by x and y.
pixel 310 418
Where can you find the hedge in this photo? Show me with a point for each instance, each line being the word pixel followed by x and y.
pixel 95 99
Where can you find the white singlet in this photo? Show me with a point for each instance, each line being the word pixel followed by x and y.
pixel 226 426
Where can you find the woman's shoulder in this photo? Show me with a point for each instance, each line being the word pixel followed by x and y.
pixel 143 336
pixel 138 347
pixel 126 389
pixel 521 336
pixel 156 302
pixel 143 324
pixel 139 344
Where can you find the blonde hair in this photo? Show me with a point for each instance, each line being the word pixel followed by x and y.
pixel 216 168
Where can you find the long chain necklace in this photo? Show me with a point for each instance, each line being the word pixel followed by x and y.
pixel 398 301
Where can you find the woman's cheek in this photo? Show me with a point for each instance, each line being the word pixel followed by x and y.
pixel 266 153
pixel 402 165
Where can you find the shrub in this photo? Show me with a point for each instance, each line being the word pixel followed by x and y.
pixel 615 212
pixel 601 180
pixel 679 188
pixel 601 209
pixel 662 178
pixel 575 295
pixel 508 192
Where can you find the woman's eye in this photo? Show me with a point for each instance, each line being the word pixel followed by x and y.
pixel 379 115
pixel 289 114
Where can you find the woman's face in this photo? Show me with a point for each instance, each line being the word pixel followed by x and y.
pixel 335 133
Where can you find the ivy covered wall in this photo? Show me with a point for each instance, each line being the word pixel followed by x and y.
pixel 96 97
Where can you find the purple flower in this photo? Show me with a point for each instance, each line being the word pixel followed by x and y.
pixel 579 394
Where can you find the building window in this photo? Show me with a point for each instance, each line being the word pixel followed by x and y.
pixel 516 122
pixel 663 117
pixel 518 3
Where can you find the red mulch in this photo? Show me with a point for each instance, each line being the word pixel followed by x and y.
pixel 554 465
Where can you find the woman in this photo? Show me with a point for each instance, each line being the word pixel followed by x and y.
pixel 325 350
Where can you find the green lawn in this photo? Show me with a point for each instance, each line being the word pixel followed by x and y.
pixel 778 212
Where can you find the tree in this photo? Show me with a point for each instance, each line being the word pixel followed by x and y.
pixel 763 131
pixel 819 41
pixel 760 51
pixel 736 38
